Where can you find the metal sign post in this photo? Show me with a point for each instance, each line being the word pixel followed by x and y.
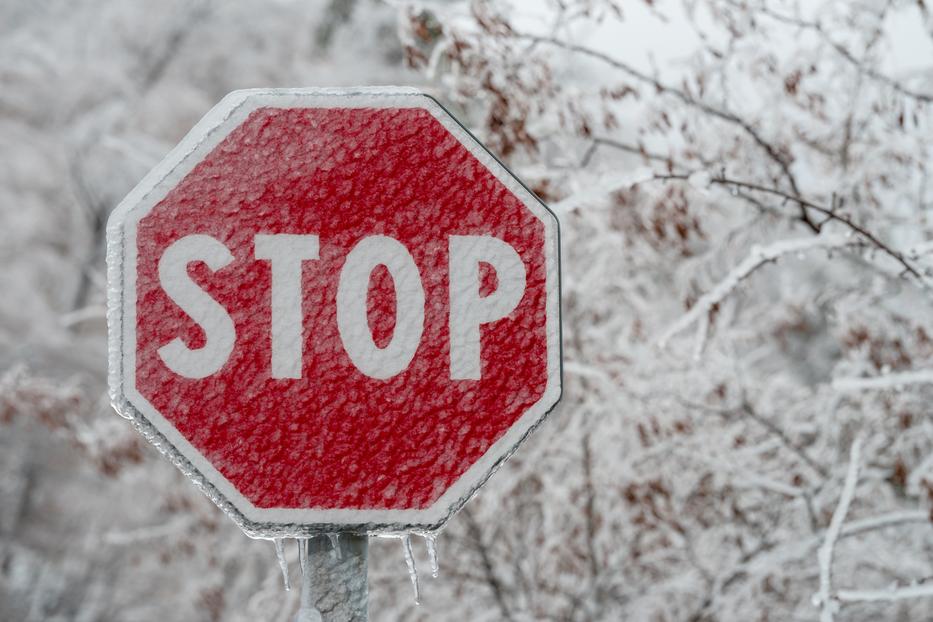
pixel 334 585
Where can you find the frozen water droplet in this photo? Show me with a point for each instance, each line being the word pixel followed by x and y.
pixel 431 542
pixel 283 563
pixel 412 571
pixel 335 544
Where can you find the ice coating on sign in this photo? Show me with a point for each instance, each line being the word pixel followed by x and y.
pixel 335 437
pixel 180 393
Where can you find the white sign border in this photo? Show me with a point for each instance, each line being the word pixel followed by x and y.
pixel 121 320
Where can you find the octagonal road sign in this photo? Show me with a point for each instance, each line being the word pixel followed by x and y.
pixel 334 310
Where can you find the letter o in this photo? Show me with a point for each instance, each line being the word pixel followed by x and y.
pixel 352 319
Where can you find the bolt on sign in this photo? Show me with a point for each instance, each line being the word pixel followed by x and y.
pixel 333 310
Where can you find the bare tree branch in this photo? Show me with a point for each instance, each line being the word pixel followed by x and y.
pixel 844 52
pixel 725 115
pixel 831 214
pixel 489 573
pixel 825 596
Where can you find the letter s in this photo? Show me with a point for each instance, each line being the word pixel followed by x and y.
pixel 218 328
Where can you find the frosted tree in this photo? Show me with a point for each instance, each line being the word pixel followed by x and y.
pixel 747 292
pixel 743 191
pixel 94 523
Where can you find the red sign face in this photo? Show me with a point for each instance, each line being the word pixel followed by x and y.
pixel 334 310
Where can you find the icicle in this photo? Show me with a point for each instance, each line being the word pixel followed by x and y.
pixel 303 561
pixel 283 563
pixel 431 542
pixel 412 571
pixel 335 545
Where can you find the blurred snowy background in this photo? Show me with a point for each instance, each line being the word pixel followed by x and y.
pixel 745 196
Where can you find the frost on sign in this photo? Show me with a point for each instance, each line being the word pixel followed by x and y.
pixel 333 310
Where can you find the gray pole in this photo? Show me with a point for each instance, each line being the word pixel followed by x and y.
pixel 334 586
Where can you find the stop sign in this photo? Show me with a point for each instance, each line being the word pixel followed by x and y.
pixel 333 310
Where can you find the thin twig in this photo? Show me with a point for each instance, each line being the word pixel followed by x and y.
pixel 589 513
pixel 495 585
pixel 746 409
pixel 783 438
pixel 831 214
pixel 825 597
pixel 725 115
pixel 887 381
pixel 759 256
pixel 843 52
pixel 638 150
pixel 891 594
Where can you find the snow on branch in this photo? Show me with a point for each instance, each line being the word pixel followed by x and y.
pixel 887 381
pixel 759 256
pixel 883 521
pixel 797 549
pixel 602 189
pixel 688 99
pixel 846 54
pixel 824 597
pixel 920 590
pixel 831 213
pixel 152 532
